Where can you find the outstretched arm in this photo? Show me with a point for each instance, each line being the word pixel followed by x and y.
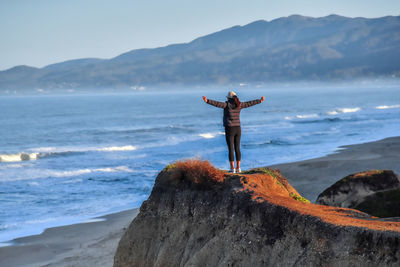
pixel 214 103
pixel 252 102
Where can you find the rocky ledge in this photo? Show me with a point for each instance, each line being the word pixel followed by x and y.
pixel 197 215
pixel 376 192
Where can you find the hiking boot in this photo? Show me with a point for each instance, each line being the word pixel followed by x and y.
pixel 232 171
pixel 238 170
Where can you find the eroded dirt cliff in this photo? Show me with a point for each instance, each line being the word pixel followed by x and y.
pixel 197 215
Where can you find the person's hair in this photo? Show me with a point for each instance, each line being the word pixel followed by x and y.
pixel 237 101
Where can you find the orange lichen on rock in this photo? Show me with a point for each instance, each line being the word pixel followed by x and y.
pixel 274 188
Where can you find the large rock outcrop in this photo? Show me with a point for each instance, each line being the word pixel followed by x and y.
pixel 197 215
pixel 376 192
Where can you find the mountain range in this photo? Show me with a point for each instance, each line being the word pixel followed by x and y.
pixel 290 48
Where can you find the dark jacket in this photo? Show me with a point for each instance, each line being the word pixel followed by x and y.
pixel 231 111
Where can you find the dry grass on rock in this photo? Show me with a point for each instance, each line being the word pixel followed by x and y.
pixel 196 171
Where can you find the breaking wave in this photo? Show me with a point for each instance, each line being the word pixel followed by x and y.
pixel 61 174
pixel 343 110
pixel 44 152
pixel 307 116
pixel 18 157
pixel 337 111
pixel 118 148
pixel 302 116
pixel 387 107
pixel 210 135
pixel 48 173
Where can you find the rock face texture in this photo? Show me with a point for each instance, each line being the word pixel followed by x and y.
pixel 197 215
pixel 375 192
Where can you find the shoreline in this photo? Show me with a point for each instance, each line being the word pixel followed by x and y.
pixel 324 171
pixel 90 243
pixel 93 243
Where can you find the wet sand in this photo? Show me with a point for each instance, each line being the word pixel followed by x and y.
pixel 83 244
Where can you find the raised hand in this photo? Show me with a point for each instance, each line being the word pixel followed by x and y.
pixel 262 99
pixel 205 99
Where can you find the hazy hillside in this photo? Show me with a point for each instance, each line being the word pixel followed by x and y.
pixel 285 49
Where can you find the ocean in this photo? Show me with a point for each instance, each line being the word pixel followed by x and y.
pixel 69 158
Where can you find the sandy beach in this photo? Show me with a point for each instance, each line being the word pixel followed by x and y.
pixel 94 243
pixel 311 177
pixel 84 244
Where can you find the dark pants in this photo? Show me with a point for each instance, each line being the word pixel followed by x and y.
pixel 232 135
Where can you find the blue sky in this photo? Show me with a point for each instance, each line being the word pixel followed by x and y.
pixel 41 32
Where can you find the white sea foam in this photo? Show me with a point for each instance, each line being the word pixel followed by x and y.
pixel 211 135
pixel 40 221
pixel 60 150
pixel 69 173
pixel 15 165
pixel 116 169
pixel 173 140
pixel 349 110
pixel 10 157
pixel 5 226
pixel 11 166
pixel 207 135
pixel 333 112
pixel 32 156
pixel 307 116
pixel 46 173
pixel 18 157
pixel 42 152
pixel 118 148
pixel 43 149
pixel 387 107
pixel 343 110
pixel 86 171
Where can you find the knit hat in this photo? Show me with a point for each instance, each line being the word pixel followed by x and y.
pixel 230 94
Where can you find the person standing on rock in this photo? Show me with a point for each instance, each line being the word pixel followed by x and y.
pixel 233 132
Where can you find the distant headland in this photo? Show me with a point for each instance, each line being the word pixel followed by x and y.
pixel 294 48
